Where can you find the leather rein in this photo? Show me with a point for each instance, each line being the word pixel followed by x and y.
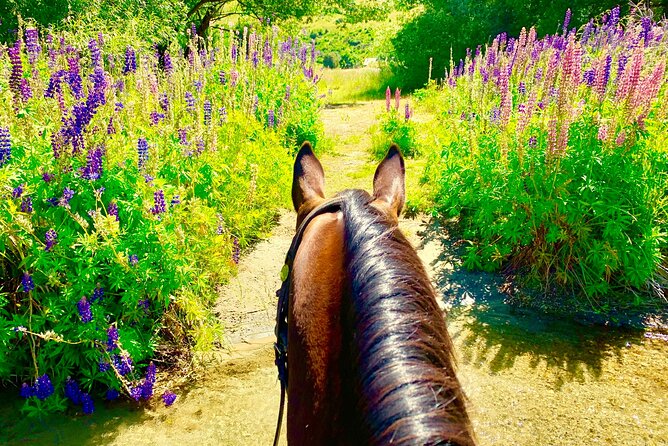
pixel 283 294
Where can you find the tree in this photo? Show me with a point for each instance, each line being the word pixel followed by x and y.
pixel 204 12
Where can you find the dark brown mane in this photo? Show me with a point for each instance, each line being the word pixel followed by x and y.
pixel 404 386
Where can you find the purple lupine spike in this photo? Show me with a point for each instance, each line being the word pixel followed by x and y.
pixel 222 78
pixel 267 54
pixel 122 363
pixel 112 338
pixel 87 406
pixel 28 284
pixel 163 100
pixel 72 391
pixel 270 118
pixel 5 146
pixel 26 204
pixel 234 53
pixel 183 137
pixel 111 129
pixel 130 61
pixel 95 53
pixel 567 20
pixel 156 117
pixel 168 398
pixel 207 112
pixel 51 238
pixel 112 394
pixel 103 366
pixel 190 102
pixel 98 294
pixel 407 112
pixel 222 112
pixel 83 307
pixel 17 83
pixel 47 177
pixel 74 77
pixel 67 196
pixel 142 152
pixel 18 191
pixel 614 17
pixel 159 200
pixel 33 48
pixel 133 259
pixel 43 387
pixel 236 252
pixel 167 63
pixel 93 168
pixel 26 391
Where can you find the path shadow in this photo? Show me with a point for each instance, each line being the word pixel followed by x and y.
pixel 492 333
pixel 67 428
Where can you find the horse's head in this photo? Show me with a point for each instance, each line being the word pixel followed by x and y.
pixel 308 183
pixel 369 357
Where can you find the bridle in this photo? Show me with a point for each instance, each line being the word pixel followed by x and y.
pixel 283 294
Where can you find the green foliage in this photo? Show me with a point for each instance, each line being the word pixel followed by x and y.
pixel 395 126
pixel 223 171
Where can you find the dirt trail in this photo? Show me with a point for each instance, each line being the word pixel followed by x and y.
pixel 531 380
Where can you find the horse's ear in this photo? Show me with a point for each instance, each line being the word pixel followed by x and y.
pixel 389 181
pixel 308 179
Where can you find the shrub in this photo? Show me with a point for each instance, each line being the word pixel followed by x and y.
pixel 128 184
pixel 395 127
pixel 554 156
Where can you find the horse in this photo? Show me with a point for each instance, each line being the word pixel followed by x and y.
pixel 368 358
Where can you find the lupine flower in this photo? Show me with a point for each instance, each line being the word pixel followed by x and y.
pixel 18 191
pixel 156 117
pixel 72 391
pixel 28 284
pixel 163 100
pixel 95 53
pixel 67 196
pixel 145 304
pixel 235 250
pixel 112 209
pixel 26 204
pixel 222 78
pixel 207 112
pixel 26 391
pixel 47 177
pixel 73 77
pixel 43 387
pixel 407 112
pixel 533 142
pixel 167 61
pixel 98 294
pixel 175 200
pixel 16 77
pixel 87 405
pixel 222 112
pixel 123 364
pixel 270 118
pixel 93 169
pixel 83 307
pixel 130 61
pixel 200 146
pixel 168 398
pixel 33 48
pixel 142 152
pixel 190 102
pixel 133 259
pixel 103 366
pixel 111 129
pixel 5 146
pixel 567 20
pixel 397 98
pixel 51 238
pixel 388 98
pixel 159 200
pixel 112 394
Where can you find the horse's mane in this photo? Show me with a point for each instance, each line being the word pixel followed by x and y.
pixel 405 386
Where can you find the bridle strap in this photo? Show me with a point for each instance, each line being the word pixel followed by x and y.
pixel 283 294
